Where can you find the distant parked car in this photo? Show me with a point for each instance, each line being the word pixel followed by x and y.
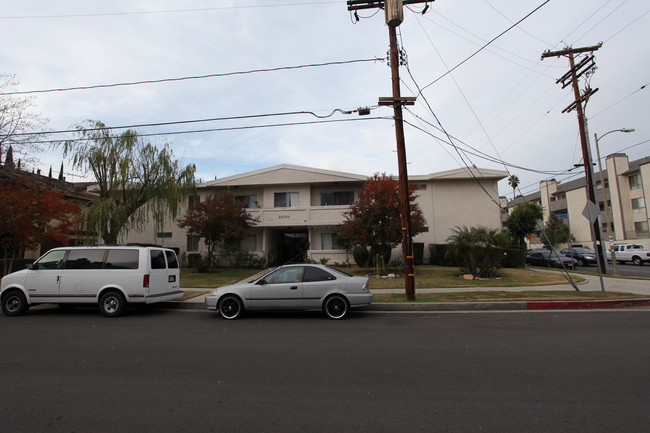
pixel 293 287
pixel 549 258
pixel 584 256
pixel 537 250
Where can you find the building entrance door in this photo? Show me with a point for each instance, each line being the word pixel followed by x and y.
pixel 294 247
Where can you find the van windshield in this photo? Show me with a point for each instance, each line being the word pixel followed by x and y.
pixel 51 260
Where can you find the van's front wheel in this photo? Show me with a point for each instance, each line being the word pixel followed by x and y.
pixel 112 304
pixel 14 303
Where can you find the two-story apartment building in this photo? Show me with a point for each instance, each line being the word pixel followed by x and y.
pixel 621 198
pixel 300 208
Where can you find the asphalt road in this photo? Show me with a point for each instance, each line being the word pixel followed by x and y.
pixel 628 270
pixel 160 370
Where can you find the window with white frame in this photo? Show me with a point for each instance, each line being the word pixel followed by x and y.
pixel 638 205
pixel 193 242
pixel 336 198
pixel 286 199
pixel 329 241
pixel 634 181
pixel 641 227
pixel 249 200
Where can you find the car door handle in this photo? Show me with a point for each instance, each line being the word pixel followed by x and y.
pixel 293 288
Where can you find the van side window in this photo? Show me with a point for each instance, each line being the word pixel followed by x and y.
pixel 172 262
pixel 122 259
pixel 157 259
pixel 85 259
pixel 51 260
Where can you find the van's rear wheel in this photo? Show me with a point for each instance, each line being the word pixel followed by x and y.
pixel 14 303
pixel 112 304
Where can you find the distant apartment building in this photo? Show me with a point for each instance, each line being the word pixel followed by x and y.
pixel 300 209
pixel 621 197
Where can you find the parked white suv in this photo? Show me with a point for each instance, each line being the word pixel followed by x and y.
pixel 111 276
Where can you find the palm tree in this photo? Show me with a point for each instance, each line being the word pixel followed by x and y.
pixel 513 181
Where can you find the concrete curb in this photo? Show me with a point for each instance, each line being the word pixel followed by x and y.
pixel 473 306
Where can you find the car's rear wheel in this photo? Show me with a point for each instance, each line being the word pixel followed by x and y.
pixel 112 304
pixel 637 261
pixel 14 303
pixel 230 307
pixel 336 307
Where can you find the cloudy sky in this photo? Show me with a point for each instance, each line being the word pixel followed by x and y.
pixel 296 62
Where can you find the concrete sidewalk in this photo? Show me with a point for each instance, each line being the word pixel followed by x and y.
pixel 639 287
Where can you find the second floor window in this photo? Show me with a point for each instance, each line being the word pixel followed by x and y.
pixel 634 181
pixel 638 205
pixel 336 198
pixel 249 201
pixel 286 199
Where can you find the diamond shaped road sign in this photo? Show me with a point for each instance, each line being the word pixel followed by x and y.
pixel 591 211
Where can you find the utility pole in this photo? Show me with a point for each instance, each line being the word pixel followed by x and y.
pixel 571 77
pixel 394 11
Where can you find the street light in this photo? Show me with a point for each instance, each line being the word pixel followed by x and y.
pixel 602 187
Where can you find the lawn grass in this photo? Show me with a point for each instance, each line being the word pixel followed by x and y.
pixel 432 277
pixel 211 280
pixel 427 277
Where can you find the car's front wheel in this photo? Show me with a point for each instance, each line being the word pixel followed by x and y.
pixel 336 307
pixel 14 303
pixel 230 307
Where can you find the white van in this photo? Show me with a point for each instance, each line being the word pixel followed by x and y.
pixel 111 276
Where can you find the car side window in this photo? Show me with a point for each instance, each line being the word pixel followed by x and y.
pixel 85 259
pixel 172 262
pixel 157 259
pixel 51 260
pixel 286 275
pixel 122 259
pixel 317 274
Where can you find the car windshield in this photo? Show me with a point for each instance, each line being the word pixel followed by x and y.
pixel 584 251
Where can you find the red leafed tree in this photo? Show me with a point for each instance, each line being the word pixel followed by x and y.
pixel 375 219
pixel 218 220
pixel 30 216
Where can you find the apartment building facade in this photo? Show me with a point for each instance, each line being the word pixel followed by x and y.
pixel 621 197
pixel 300 208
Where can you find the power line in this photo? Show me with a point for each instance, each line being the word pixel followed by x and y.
pixel 486 45
pixel 182 122
pixel 196 77
pixel 233 128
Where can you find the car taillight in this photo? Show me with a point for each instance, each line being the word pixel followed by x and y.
pixel 145 281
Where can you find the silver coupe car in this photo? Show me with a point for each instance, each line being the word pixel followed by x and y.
pixel 293 287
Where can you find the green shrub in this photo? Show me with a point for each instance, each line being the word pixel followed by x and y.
pixel 418 253
pixel 360 255
pixel 439 255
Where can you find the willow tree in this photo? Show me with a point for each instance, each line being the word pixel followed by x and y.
pixel 135 179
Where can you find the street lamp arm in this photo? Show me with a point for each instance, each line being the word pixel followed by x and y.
pixel 615 130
